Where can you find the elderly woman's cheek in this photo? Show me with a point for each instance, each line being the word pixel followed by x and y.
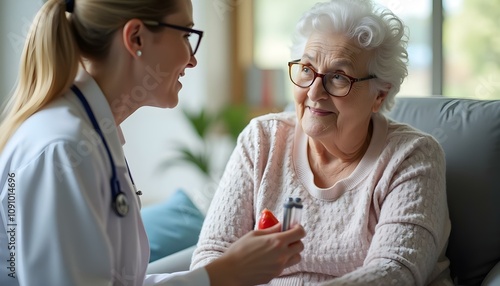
pixel 300 97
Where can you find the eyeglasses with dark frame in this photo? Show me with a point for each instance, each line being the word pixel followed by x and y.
pixel 335 84
pixel 193 41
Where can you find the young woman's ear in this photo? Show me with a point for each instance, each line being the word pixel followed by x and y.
pixel 132 36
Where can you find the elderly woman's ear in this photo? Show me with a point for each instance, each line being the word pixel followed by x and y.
pixel 379 100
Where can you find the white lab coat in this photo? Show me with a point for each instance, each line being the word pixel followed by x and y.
pixel 57 225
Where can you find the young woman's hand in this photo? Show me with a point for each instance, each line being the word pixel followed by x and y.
pixel 258 257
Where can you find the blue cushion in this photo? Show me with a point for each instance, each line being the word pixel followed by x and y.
pixel 172 226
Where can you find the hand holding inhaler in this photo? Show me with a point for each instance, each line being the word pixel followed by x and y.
pixel 292 215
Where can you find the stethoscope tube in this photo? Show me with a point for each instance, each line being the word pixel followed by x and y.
pixel 119 200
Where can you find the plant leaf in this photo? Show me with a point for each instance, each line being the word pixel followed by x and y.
pixel 235 118
pixel 200 122
pixel 200 160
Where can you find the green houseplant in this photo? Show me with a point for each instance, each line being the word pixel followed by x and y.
pixel 207 127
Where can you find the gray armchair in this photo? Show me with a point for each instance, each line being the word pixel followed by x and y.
pixel 469 132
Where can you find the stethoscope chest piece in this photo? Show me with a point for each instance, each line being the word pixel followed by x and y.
pixel 120 204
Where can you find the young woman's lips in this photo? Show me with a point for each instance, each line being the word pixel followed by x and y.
pixel 319 112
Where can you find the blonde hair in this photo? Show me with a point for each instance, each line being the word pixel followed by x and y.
pixel 56 44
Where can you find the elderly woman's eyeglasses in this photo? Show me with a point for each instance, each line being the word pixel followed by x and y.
pixel 335 84
pixel 194 36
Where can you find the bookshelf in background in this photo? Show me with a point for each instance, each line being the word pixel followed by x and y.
pixel 262 90
pixel 265 87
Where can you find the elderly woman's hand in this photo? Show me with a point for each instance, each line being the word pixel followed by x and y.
pixel 258 257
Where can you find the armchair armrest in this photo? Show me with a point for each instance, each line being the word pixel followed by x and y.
pixel 493 277
pixel 179 261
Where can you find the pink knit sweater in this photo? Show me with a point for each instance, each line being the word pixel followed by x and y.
pixel 385 224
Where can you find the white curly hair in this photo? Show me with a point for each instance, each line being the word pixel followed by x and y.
pixel 375 28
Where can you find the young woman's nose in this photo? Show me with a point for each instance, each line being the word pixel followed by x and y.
pixel 192 62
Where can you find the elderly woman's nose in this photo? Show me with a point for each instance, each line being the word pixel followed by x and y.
pixel 316 91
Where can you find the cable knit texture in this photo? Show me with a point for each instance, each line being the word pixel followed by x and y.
pixel 385 224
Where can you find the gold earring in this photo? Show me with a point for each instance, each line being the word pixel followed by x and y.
pixel 138 53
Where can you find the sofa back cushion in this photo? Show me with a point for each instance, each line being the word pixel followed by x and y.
pixel 469 132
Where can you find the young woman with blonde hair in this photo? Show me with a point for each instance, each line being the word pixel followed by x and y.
pixel 69 211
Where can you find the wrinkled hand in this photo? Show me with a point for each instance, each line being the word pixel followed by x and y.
pixel 258 256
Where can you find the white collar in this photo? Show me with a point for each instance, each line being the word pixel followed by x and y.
pixel 102 111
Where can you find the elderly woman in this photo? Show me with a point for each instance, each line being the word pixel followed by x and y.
pixel 373 190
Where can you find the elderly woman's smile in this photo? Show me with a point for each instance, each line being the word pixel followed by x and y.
pixel 319 111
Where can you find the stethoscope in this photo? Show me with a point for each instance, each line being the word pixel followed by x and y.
pixel 119 202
